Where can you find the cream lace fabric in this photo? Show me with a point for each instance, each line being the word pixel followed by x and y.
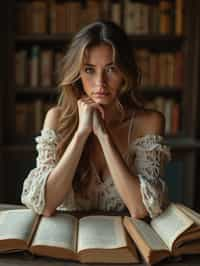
pixel 146 158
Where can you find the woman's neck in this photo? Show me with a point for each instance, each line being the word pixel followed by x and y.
pixel 113 114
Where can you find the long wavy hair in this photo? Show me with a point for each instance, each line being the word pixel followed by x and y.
pixel 71 88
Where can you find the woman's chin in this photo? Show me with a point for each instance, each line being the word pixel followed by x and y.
pixel 102 101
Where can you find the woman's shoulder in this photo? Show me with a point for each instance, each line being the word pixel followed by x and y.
pixel 148 121
pixel 52 118
pixel 149 115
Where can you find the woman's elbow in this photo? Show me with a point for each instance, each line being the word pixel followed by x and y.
pixel 47 212
pixel 139 213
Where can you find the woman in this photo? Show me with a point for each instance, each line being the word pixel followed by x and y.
pixel 99 148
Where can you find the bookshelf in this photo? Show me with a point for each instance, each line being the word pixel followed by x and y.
pixel 152 41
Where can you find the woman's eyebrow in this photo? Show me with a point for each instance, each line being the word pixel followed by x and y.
pixel 86 64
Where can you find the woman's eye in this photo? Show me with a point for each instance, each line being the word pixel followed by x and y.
pixel 89 70
pixel 111 69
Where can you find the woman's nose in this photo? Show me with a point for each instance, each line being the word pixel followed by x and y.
pixel 100 79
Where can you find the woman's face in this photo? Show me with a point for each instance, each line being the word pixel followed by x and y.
pixel 100 76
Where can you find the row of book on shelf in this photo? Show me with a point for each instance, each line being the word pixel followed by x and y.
pixel 171 110
pixel 30 115
pixel 100 237
pixel 160 17
pixel 163 69
pixel 38 67
pixel 35 67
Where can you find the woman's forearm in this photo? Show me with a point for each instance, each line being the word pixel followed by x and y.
pixel 59 181
pixel 127 185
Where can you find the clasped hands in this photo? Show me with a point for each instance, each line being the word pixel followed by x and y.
pixel 91 117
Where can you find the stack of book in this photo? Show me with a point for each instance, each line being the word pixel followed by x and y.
pixel 102 238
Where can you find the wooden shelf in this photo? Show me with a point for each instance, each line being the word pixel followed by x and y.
pixel 37 91
pixel 137 39
pixel 157 37
pixel 158 42
pixel 182 143
pixel 17 148
pixel 162 91
pixel 44 38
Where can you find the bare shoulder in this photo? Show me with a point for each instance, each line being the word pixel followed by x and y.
pixel 52 117
pixel 149 122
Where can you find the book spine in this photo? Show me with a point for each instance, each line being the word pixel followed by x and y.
pixel 116 13
pixel 60 18
pixel 52 17
pixel 163 69
pixel 165 8
pixel 46 68
pixel 21 67
pixel 153 19
pixel 154 69
pixel 179 69
pixel 39 17
pixel 143 19
pixel 21 125
pixel 179 7
pixel 143 60
pixel 57 65
pixel 38 115
pixel 131 18
pixel 175 119
pixel 170 70
pixel 168 115
pixel 34 66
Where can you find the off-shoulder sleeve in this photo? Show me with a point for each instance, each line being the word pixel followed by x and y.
pixel 33 193
pixel 151 156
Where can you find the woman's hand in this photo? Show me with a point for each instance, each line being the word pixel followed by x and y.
pixel 86 108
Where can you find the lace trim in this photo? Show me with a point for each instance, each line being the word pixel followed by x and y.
pixel 48 135
pixel 147 156
pixel 33 194
pixel 154 196
pixel 46 147
pixel 150 156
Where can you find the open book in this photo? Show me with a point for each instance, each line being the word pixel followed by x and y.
pixel 94 238
pixel 175 232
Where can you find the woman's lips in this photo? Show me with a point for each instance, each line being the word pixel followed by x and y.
pixel 101 94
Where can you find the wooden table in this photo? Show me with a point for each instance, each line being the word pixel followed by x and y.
pixel 22 259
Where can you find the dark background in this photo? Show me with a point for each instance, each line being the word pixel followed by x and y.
pixel 17 155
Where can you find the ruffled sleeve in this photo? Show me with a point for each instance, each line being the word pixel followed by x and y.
pixel 150 158
pixel 33 194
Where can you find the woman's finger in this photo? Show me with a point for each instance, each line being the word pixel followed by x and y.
pixel 91 103
pixel 99 108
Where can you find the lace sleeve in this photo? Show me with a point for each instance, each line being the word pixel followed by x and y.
pixel 150 158
pixel 33 193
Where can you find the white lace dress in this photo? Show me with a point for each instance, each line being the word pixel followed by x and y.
pixel 146 158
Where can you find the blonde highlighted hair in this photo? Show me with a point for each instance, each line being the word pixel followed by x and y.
pixel 71 88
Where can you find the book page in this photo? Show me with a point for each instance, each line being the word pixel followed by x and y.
pixel 101 232
pixel 195 216
pixel 16 224
pixel 59 230
pixel 171 224
pixel 152 240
